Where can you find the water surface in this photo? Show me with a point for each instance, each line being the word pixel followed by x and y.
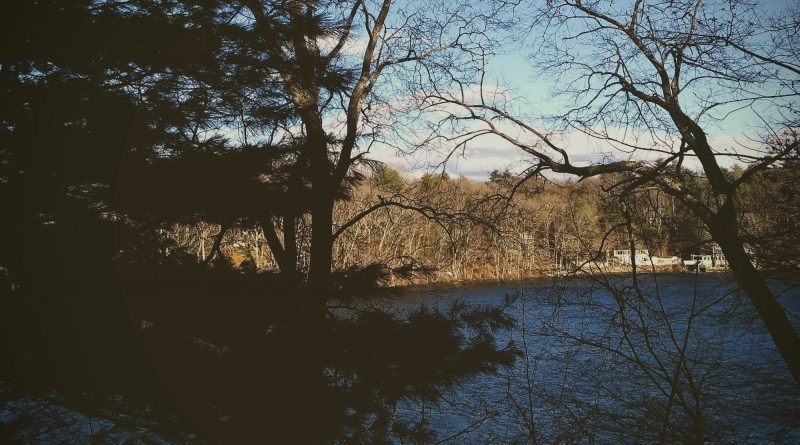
pixel 678 357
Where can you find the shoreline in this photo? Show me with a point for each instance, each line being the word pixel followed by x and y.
pixel 543 275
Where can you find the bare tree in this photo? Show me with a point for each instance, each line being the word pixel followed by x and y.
pixel 657 360
pixel 370 42
pixel 654 78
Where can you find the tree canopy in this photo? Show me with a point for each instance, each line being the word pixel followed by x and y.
pixel 121 118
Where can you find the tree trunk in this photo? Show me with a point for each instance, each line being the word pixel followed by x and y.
pixel 290 246
pixel 772 313
pixel 723 226
pixel 215 249
pixel 321 244
pixel 285 253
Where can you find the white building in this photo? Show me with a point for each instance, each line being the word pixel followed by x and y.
pixel 623 256
pixel 642 256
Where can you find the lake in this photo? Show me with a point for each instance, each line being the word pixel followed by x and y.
pixel 678 358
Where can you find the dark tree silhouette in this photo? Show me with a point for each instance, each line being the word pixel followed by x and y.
pixel 121 118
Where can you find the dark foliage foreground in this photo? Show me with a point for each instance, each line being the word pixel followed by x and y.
pixel 145 349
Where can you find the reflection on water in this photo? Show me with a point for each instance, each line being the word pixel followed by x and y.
pixel 679 359
pixel 179 353
pixel 613 360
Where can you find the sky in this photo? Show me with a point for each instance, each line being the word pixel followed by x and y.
pixel 738 131
pixel 492 153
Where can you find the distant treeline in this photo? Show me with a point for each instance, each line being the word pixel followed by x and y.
pixel 438 228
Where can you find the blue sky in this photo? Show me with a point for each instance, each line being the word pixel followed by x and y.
pixel 516 71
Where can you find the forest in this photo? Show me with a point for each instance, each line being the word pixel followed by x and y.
pixel 438 229
pixel 210 233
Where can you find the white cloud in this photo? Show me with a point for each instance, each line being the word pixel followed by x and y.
pixel 352 47
pixel 490 152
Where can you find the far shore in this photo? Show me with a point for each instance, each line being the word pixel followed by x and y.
pixel 446 280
